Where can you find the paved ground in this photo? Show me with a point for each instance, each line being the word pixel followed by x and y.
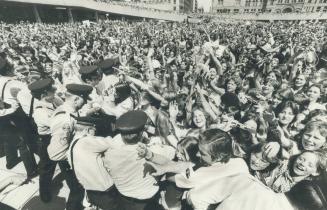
pixel 27 197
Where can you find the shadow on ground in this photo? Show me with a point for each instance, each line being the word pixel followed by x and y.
pixel 57 203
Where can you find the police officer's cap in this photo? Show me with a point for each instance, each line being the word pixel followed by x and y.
pixel 107 64
pixel 131 122
pixel 79 90
pixel 40 85
pixel 88 69
pixel 86 121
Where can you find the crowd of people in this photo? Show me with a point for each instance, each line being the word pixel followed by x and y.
pixel 156 115
pixel 150 6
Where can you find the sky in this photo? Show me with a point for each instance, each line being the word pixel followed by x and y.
pixel 205 4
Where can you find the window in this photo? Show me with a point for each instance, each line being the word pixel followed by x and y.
pixel 325 9
pixel 247 3
pixel 246 11
pixel 271 2
pixel 220 2
pixel 287 1
pixel 236 10
pixel 318 9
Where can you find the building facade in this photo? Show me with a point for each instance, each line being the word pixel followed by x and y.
pixel 269 6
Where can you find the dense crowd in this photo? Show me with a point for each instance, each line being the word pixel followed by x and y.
pixel 139 5
pixel 148 115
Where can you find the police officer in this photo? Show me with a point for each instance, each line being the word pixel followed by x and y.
pixel 88 148
pixel 92 75
pixel 62 130
pixel 109 78
pixel 13 123
pixel 43 109
pixel 138 189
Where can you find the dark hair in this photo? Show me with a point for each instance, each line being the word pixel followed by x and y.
pixel 94 75
pixel 219 144
pixel 285 104
pixel 256 148
pixel 242 137
pixel 132 138
pixel 190 145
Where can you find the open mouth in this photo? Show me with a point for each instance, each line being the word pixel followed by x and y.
pixel 308 144
pixel 300 167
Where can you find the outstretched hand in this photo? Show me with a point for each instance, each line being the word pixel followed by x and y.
pixel 158 169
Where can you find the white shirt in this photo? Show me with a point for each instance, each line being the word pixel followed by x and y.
pixel 88 163
pixel 128 171
pixel 25 99
pixel 62 127
pixel 208 174
pixel 237 192
pixel 12 87
pixel 42 115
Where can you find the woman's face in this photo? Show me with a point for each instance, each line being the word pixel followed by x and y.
pixel 199 119
pixel 183 66
pixel 212 73
pixel 204 156
pixel 181 154
pixel 306 164
pixel 231 86
pixel 313 140
pixel 313 93
pixel 286 116
pixel 224 67
pixel 267 89
pixel 271 77
pixel 300 81
pixel 274 63
pixel 258 162
pixel 190 81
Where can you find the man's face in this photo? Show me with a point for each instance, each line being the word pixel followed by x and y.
pixel 79 102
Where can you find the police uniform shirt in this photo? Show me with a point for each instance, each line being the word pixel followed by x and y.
pixel 127 171
pixel 88 163
pixel 42 114
pixel 10 88
pixel 25 98
pixel 61 127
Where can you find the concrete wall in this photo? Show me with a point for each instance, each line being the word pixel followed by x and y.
pixel 109 8
pixel 281 16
